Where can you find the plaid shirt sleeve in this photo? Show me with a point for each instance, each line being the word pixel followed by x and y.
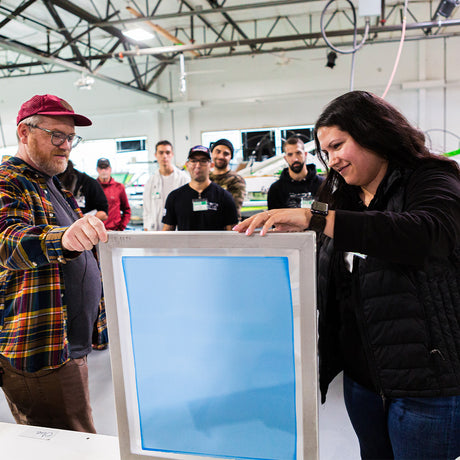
pixel 32 312
pixel 28 240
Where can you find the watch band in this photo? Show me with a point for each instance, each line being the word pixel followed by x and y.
pixel 317 222
pixel 319 211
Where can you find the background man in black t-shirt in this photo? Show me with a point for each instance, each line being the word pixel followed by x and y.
pixel 200 204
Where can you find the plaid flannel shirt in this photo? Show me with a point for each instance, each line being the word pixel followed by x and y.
pixel 32 300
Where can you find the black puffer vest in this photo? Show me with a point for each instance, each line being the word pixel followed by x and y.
pixel 409 317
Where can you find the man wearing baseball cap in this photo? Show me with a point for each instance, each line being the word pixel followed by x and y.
pixel 222 154
pixel 200 204
pixel 51 285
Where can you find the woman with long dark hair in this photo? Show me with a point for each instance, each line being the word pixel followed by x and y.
pixel 388 224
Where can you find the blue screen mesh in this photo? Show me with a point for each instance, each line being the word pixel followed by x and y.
pixel 214 355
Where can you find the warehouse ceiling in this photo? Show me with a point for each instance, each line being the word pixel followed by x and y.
pixel 88 36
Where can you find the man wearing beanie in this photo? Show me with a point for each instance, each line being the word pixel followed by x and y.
pixel 51 288
pixel 222 153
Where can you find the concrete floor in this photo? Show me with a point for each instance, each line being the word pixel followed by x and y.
pixel 336 437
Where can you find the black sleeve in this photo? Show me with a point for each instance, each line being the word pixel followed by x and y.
pixel 274 200
pixel 170 217
pixel 229 208
pixel 429 225
pixel 94 195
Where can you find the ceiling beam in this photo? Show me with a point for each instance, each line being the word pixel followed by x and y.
pixel 216 6
pixel 47 29
pixel 83 14
pixel 16 12
pixel 292 38
pixel 23 49
pixel 200 17
pixel 65 32
pixel 94 20
pixel 156 75
pixel 80 35
pixel 160 30
pixel 204 12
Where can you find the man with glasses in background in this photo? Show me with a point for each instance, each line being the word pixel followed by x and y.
pixel 200 204
pixel 51 289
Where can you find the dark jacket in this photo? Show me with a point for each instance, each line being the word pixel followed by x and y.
pixel 408 276
pixel 86 190
pixel 287 192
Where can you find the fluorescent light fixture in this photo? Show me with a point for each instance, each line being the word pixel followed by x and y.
pixel 138 34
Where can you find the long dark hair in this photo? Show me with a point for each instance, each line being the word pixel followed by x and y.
pixel 377 126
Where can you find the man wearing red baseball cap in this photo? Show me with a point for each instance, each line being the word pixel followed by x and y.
pixel 51 285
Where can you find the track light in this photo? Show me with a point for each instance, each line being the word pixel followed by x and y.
pixel 445 8
pixel 331 57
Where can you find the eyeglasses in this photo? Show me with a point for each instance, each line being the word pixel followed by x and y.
pixel 202 161
pixel 58 138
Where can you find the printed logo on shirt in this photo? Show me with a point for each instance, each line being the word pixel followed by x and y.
pixel 299 200
pixel 213 206
pixel 81 200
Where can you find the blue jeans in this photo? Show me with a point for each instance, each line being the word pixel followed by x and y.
pixel 411 429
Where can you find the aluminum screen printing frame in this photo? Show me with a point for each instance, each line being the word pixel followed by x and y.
pixel 213 344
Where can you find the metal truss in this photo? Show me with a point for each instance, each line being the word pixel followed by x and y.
pixel 47 36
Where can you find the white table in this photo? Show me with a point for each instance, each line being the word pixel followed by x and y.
pixel 24 442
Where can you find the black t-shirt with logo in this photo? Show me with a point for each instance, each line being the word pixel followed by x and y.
pixel 212 209
pixel 289 193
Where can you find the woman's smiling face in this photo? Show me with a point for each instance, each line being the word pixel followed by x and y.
pixel 356 164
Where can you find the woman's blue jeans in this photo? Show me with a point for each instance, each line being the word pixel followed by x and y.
pixel 410 429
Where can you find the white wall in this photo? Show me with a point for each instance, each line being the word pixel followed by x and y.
pixel 255 92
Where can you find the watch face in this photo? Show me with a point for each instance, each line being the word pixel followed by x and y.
pixel 319 207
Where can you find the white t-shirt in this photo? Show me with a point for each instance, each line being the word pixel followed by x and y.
pixel 156 191
pixel 168 185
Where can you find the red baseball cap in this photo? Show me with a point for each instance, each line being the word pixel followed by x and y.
pixel 47 104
